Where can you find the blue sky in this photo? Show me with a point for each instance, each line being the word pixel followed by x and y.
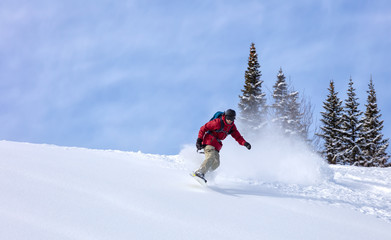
pixel 145 75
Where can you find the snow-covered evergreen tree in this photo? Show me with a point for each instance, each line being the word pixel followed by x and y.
pixel 288 110
pixel 280 105
pixel 331 126
pixel 351 129
pixel 375 146
pixel 253 108
pixel 294 125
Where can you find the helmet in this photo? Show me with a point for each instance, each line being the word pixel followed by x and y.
pixel 230 114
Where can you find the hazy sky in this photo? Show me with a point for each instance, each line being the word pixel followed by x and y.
pixel 145 75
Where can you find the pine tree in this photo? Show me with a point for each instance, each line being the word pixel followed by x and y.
pixel 253 101
pixel 375 146
pixel 280 105
pixel 288 111
pixel 294 125
pixel 331 129
pixel 351 129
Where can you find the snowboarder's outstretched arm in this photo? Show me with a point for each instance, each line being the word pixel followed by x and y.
pixel 238 137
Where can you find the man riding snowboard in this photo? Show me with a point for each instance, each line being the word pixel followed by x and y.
pixel 210 137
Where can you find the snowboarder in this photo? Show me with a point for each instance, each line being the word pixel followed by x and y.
pixel 210 139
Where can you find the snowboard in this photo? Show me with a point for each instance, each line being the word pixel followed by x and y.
pixel 200 180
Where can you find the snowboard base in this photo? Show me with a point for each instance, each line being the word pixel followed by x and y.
pixel 201 180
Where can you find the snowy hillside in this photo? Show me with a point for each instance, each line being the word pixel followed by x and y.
pixel 51 192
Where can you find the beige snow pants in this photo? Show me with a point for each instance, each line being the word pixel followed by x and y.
pixel 212 160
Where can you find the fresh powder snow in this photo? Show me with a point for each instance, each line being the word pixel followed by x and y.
pixel 52 192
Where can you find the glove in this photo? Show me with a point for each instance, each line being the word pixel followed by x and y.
pixel 199 144
pixel 247 145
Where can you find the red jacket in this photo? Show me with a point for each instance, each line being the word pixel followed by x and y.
pixel 210 137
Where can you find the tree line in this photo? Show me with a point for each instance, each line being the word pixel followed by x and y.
pixel 349 136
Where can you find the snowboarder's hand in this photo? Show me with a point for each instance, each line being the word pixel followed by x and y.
pixel 247 145
pixel 199 144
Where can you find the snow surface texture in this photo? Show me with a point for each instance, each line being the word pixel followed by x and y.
pixel 51 192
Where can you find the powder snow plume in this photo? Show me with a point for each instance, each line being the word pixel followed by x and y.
pixel 273 158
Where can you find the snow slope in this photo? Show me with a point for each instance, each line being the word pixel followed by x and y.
pixel 51 192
